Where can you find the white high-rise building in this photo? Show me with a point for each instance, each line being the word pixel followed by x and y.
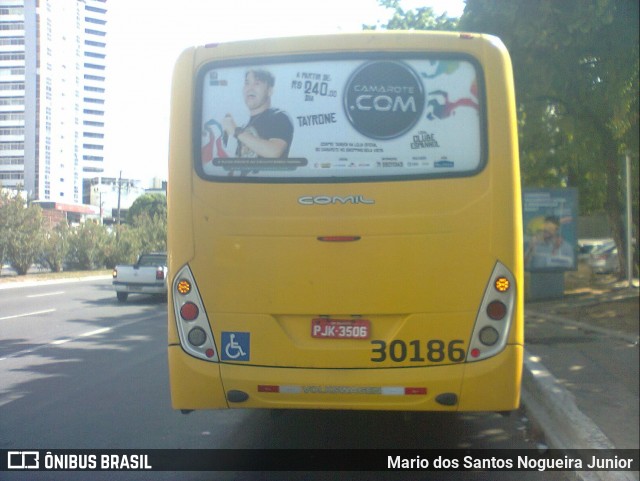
pixel 93 96
pixel 52 95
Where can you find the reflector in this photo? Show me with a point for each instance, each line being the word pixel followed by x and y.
pixel 415 390
pixel 488 336
pixel 268 388
pixel 197 336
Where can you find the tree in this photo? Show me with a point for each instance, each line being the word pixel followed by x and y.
pixel 21 229
pixel 123 247
pixel 148 216
pixel 576 73
pixel 5 199
pixel 152 232
pixel 151 204
pixel 422 18
pixel 87 244
pixel 56 246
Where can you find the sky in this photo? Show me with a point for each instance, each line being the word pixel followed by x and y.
pixel 145 38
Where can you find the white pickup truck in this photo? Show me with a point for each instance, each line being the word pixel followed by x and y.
pixel 147 276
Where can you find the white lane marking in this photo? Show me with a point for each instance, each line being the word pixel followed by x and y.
pixel 25 283
pixel 96 332
pixel 57 293
pixel 84 335
pixel 46 311
pixel 56 343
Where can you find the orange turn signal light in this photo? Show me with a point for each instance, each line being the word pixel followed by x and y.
pixel 183 287
pixel 502 284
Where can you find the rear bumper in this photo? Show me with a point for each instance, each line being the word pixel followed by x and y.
pixel 140 288
pixel 489 385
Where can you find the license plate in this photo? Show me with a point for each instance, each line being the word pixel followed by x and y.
pixel 323 328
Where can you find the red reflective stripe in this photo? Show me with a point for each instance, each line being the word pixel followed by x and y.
pixel 263 388
pixel 415 390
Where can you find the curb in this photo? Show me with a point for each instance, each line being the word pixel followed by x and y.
pixel 553 408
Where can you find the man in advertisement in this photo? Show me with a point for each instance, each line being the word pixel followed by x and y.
pixel 269 132
pixel 547 248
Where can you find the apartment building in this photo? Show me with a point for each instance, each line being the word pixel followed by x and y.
pixel 52 96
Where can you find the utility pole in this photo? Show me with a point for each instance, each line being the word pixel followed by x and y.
pixel 629 223
pixel 119 192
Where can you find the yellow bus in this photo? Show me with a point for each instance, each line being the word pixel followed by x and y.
pixel 345 224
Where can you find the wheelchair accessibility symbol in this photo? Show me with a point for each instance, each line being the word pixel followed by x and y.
pixel 236 346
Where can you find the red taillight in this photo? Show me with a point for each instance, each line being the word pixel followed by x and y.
pixel 159 274
pixel 496 310
pixel 498 304
pixel 189 311
pixel 196 336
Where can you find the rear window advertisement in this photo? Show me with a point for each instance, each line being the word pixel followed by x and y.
pixel 341 118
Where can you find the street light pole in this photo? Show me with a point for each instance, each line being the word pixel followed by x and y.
pixel 629 222
pixel 119 191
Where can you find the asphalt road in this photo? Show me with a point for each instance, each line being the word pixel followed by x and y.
pixel 78 370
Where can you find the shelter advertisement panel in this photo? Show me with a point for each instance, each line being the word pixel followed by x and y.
pixel 550 229
pixel 342 118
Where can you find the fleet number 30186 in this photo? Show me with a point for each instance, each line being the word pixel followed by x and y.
pixel 434 351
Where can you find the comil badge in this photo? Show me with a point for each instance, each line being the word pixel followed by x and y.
pixel 384 99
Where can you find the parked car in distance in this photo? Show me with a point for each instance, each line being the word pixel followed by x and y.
pixel 147 276
pixel 604 259
pixel 587 246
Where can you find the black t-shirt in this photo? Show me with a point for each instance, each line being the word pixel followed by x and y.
pixel 270 124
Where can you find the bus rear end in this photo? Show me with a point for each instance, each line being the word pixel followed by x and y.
pixel 372 258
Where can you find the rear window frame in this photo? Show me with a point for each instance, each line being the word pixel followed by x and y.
pixel 252 62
